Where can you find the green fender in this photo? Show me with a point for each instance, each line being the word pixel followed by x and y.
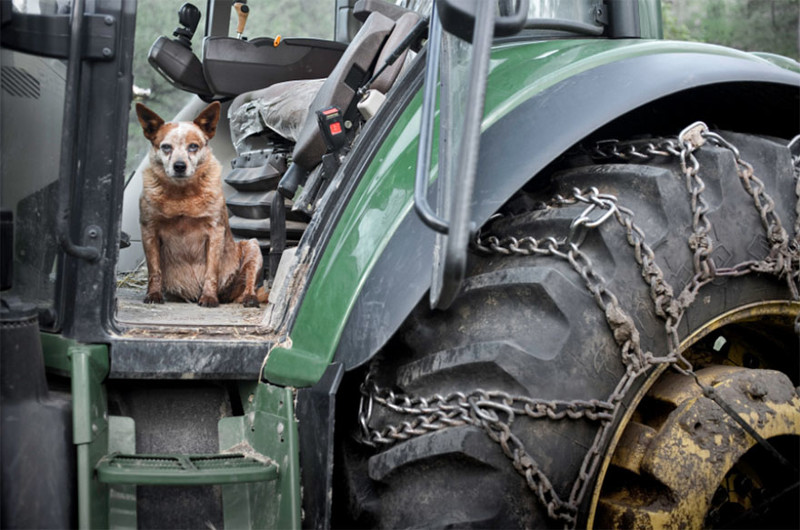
pixel 374 265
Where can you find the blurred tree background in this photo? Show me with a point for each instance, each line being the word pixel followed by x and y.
pixel 750 25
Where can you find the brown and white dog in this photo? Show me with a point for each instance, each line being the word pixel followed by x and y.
pixel 187 240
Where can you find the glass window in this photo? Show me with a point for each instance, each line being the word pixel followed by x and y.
pixel 288 18
pixel 577 10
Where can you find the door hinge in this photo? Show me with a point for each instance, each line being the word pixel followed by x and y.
pixel 101 38
pixel 600 12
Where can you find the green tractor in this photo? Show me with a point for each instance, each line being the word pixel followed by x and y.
pixel 530 265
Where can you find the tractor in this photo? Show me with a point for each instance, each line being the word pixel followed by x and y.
pixel 530 265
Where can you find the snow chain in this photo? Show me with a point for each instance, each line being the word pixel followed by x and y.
pixel 495 411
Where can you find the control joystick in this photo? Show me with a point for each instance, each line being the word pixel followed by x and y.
pixel 188 18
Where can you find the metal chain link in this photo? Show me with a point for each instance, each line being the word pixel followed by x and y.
pixel 495 411
pixel 690 140
pixel 783 260
pixel 784 257
pixel 440 412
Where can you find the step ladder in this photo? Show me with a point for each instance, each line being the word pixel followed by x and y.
pixel 184 470
pixel 258 491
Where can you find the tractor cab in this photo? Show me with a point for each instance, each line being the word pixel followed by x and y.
pixel 294 108
pixel 530 265
pixel 291 112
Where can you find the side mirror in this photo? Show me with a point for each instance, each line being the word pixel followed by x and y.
pixel 458 17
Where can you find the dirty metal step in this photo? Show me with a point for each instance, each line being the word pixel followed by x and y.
pixel 257 171
pixel 264 178
pixel 259 158
pixel 257 205
pixel 243 227
pixel 184 470
pixel 265 244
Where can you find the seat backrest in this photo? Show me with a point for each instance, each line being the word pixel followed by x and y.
pixel 402 27
pixel 364 8
pixel 339 89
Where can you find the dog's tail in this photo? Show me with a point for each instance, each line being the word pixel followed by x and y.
pixel 262 293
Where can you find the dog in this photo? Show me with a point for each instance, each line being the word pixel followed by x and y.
pixel 187 240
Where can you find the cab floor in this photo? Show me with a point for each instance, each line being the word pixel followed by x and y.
pixel 132 311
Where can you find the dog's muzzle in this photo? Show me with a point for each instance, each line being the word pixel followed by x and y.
pixel 180 168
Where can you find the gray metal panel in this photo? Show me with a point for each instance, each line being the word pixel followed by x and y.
pixel 218 17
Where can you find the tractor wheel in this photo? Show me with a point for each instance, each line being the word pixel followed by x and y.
pixel 558 388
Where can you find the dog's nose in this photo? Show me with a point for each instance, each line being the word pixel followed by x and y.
pixel 179 167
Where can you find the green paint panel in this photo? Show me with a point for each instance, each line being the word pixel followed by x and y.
pixel 268 428
pixel 121 498
pixel 94 432
pixel 56 353
pixel 518 72
pixel 92 494
pixel 90 366
pixel 89 370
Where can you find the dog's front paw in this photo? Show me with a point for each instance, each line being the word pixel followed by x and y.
pixel 154 298
pixel 208 301
pixel 250 300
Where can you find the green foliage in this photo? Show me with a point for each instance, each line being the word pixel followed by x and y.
pixel 673 30
pixel 762 25
pixel 716 25
pixel 750 25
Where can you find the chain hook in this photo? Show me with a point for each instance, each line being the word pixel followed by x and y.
pixel 578 227
pixel 693 136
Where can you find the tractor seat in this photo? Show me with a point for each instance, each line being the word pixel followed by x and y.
pixel 288 109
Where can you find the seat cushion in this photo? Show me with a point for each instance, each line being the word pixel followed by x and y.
pixel 281 109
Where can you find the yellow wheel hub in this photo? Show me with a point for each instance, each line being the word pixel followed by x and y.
pixel 682 461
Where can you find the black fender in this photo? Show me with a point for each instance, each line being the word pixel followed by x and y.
pixel 656 94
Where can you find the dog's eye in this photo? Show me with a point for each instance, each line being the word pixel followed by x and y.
pixel 193 148
pixel 166 148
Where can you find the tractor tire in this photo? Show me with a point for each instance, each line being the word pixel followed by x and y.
pixel 526 330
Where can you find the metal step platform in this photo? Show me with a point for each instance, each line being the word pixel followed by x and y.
pixel 257 205
pixel 260 228
pixel 184 470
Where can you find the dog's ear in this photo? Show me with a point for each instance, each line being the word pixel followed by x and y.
pixel 207 120
pixel 151 122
